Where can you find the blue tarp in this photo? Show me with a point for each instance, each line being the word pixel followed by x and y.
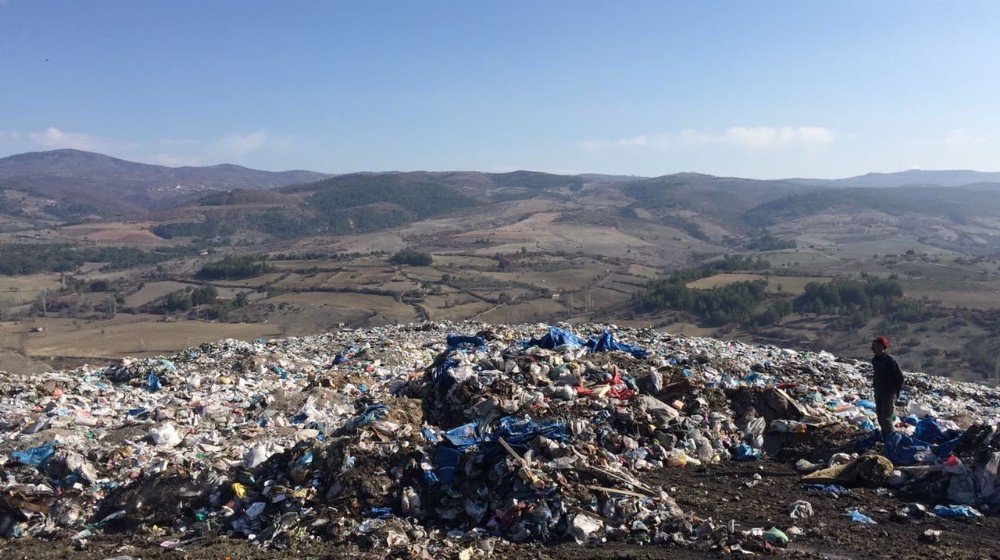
pixel 517 432
pixel 556 337
pixel 456 340
pixel 153 383
pixel 956 511
pixel 607 342
pixel 34 456
pixel 928 430
pixel 902 449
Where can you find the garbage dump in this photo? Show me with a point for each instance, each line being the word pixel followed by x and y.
pixel 420 439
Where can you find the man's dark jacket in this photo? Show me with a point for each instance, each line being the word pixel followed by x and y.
pixel 888 376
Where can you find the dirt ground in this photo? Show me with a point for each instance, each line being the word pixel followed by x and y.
pixel 719 493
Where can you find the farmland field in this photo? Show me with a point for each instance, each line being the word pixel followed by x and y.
pixel 792 285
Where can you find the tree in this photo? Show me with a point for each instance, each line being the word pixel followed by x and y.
pixel 411 257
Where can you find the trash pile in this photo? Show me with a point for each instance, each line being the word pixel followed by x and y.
pixel 435 437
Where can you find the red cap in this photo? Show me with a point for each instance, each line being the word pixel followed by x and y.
pixel 883 341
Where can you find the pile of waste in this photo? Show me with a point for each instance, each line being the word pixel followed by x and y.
pixel 426 438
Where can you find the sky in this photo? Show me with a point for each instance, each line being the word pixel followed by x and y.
pixel 754 89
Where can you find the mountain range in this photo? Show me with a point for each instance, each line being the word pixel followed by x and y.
pixel 71 185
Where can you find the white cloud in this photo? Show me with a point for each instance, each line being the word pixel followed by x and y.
pixel 52 138
pixel 752 138
pixel 238 145
pixel 960 138
pixel 762 137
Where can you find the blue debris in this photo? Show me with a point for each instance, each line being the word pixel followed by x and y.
pixel 834 490
pixel 339 359
pixel 606 342
pixel 746 453
pixel 380 512
pixel 556 337
pixel 374 412
pixel 865 404
pixel 464 436
pixel 153 383
pixel 928 430
pixel 521 432
pixel 282 372
pixel 305 460
pixel 34 456
pixel 858 517
pixel 956 511
pixel 904 450
pixel 446 459
pixel 430 434
pixel 456 341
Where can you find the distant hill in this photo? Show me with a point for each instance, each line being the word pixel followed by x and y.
pixel 70 185
pixel 913 177
pixel 103 185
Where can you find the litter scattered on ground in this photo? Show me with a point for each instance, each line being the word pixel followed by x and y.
pixel 424 439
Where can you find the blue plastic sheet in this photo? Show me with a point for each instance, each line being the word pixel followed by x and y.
pixel 903 450
pixel 746 453
pixel 339 359
pixel 834 490
pixel 34 456
pixel 865 404
pixel 928 430
pixel 430 434
pixel 374 412
pixel 153 383
pixel 446 460
pixel 858 517
pixel 464 436
pixel 517 432
pixel 606 342
pixel 956 511
pixel 457 340
pixel 556 337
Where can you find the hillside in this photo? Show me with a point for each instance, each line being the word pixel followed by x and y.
pixel 102 185
pixel 912 177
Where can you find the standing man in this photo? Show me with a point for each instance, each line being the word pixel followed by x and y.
pixel 887 382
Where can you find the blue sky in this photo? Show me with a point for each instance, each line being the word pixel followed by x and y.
pixel 757 89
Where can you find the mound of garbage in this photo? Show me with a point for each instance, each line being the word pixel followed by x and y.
pixel 422 439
